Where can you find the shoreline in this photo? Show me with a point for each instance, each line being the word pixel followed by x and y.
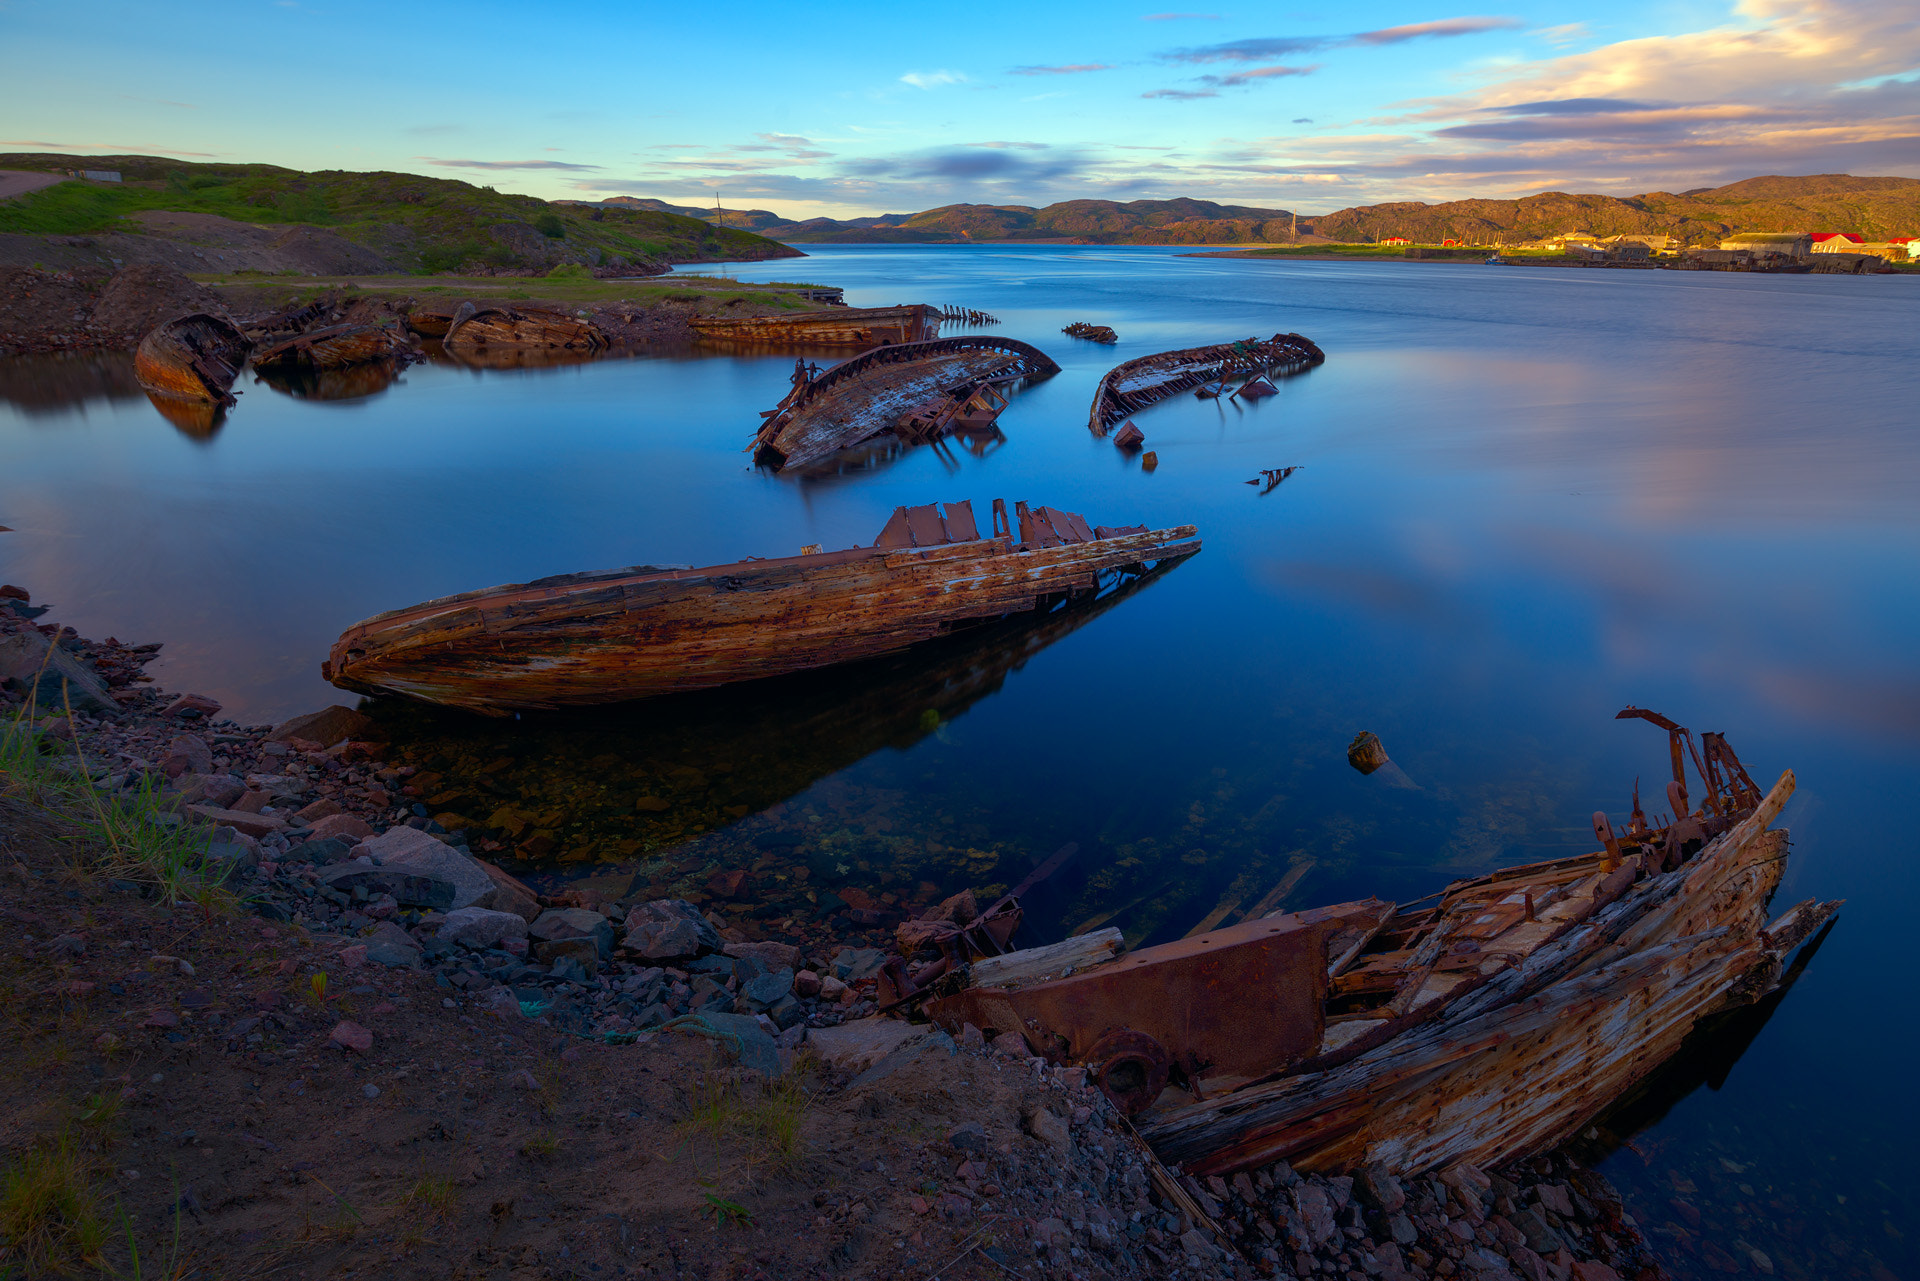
pixel 337 952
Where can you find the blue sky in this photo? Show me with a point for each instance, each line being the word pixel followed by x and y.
pixel 843 109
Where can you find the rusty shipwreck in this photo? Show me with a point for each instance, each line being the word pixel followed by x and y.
pixel 625 634
pixel 193 359
pixel 860 327
pixel 1133 385
pixel 918 391
pixel 1488 1025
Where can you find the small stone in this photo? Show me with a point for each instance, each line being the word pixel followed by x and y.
pixel 523 1080
pixel 326 727
pixel 192 707
pixel 351 1036
pixel 371 1091
pixel 322 808
pixel 806 984
pixel 161 1018
pixel 339 826
pixel 1050 1129
pixel 480 928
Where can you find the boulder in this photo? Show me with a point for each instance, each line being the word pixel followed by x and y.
pixel 412 851
pixel 192 707
pixel 575 923
pixel 53 678
pixel 479 927
pixel 580 951
pixel 669 929
pixel 407 889
pixel 326 727
pixel 763 993
pixel 743 1034
pixel 856 1046
pixel 510 894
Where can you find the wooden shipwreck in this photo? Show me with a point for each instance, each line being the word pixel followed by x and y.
pixel 624 634
pixel 918 391
pixel 192 359
pixel 830 327
pixel 336 347
pixel 1492 1024
pixel 474 329
pixel 1133 385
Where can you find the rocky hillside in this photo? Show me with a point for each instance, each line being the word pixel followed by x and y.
pixel 1839 202
pixel 272 219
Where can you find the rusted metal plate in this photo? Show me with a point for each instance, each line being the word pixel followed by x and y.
pixel 1238 1000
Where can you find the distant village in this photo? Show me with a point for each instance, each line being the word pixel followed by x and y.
pixel 1832 251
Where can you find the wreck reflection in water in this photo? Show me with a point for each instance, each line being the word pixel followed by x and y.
pixel 349 382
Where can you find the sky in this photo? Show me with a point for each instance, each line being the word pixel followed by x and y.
pixel 841 109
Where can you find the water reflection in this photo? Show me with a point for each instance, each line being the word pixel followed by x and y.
pixel 199 420
pixel 350 382
pixel 63 381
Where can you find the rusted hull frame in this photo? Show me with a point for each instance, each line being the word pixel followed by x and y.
pixel 192 358
pixel 479 327
pixel 636 634
pixel 834 327
pixel 1533 1053
pixel 1136 384
pixel 878 390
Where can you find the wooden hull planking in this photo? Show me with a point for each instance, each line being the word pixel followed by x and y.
pixel 637 633
pixel 1517 1055
pixel 192 358
pixel 479 327
pixel 831 327
pixel 915 389
pixel 335 347
pixel 1132 386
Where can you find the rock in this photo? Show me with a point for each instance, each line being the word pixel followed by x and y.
pixel 330 849
pixel 192 707
pixel 409 850
pixel 521 1079
pixel 480 927
pixel 250 802
pixel 775 956
pixel 1589 1271
pixel 254 825
pixel 1050 1129
pixel 806 984
pixel 510 894
pixel 230 853
pixel 1194 1241
pixel 351 1036
pixel 53 678
pixel 858 1045
pixel 1541 1239
pixel 161 1018
pixel 322 808
pixel 344 826
pixel 1379 1189
pixel 326 727
pixel 575 923
pixel 787 1014
pixel 669 930
pixel 582 952
pixel 968 1136
pixel 388 944
pixel 1555 1198
pixel 190 753
pixel 831 988
pixel 767 990
pixel 1316 1212
pixel 855 964
pixel 1052 1235
pixel 744 1036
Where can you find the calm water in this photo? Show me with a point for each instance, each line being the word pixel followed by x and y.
pixel 1529 497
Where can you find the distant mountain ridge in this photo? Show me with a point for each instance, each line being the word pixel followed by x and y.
pixel 1875 206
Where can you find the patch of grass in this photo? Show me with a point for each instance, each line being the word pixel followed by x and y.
pixel 716 1103
pixel 725 1211
pixel 124 835
pixel 540 1147
pixel 50 1213
pixel 99 1112
pixel 431 1196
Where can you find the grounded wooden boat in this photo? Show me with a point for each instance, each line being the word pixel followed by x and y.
pixel 1490 1026
pixel 918 391
pixel 1130 387
pixel 474 327
pixel 335 347
pixel 192 358
pixel 831 327
pixel 623 634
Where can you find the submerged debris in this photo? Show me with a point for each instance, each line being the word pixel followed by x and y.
pixel 1092 333
pixel 834 327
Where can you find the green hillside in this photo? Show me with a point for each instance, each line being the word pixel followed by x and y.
pixel 417 223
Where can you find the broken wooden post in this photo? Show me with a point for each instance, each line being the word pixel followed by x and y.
pixel 1129 436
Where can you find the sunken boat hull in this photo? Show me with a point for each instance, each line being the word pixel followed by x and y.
pixel 918 391
pixel 335 347
pixel 1134 385
pixel 860 327
pixel 192 358
pixel 1488 1028
pixel 637 633
pixel 476 329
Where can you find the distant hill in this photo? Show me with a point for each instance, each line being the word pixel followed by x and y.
pixel 1877 207
pixel 404 221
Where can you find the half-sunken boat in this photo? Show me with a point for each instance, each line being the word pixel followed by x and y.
pixel 1133 385
pixel 624 634
pixel 475 328
pixel 1490 1025
pixel 192 358
pixel 860 327
pixel 918 391
pixel 336 347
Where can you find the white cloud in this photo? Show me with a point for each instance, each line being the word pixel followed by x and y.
pixel 933 79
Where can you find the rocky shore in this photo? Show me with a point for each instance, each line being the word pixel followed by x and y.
pixel 382 1055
